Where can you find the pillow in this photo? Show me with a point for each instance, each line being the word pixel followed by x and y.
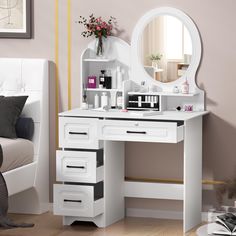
pixel 25 128
pixel 10 110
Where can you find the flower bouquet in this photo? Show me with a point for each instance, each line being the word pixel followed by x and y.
pixel 96 26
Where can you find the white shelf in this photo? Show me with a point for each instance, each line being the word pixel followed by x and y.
pixel 103 90
pixel 164 94
pixel 99 59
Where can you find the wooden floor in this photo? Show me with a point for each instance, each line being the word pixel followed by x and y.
pixel 50 225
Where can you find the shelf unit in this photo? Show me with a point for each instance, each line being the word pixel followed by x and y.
pixel 118 55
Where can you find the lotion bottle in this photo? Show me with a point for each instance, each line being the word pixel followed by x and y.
pixel 185 87
pixel 119 78
pixel 113 79
pixel 96 101
pixel 104 100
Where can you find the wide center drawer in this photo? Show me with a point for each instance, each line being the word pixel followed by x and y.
pixel 80 166
pixel 78 200
pixel 75 132
pixel 143 131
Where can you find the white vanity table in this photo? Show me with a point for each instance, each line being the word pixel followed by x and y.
pixel 91 160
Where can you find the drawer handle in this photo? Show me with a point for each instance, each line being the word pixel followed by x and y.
pixel 75 167
pixel 68 200
pixel 79 133
pixel 136 132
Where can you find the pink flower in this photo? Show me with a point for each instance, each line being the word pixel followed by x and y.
pixel 98 28
pixel 99 19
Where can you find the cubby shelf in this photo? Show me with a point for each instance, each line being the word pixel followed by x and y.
pixel 164 94
pixel 103 90
pixel 99 59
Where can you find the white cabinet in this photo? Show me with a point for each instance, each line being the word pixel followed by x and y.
pixel 80 166
pixel 78 200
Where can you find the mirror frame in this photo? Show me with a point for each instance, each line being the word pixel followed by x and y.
pixel 138 72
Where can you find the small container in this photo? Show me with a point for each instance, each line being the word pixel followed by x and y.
pixel 102 79
pixel 119 102
pixel 175 89
pixel 96 101
pixel 92 81
pixel 84 106
pixel 185 87
pixel 104 100
pixel 188 107
pixel 90 106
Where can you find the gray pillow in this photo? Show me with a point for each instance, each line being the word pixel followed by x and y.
pixel 10 110
pixel 25 128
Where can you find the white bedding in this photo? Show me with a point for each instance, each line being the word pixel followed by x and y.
pixel 16 153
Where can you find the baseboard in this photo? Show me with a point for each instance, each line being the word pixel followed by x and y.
pixel 150 213
pixel 158 214
pixel 50 206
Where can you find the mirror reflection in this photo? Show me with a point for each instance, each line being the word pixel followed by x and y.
pixel 166 48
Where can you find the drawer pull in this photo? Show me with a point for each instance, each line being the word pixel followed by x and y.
pixel 75 167
pixel 79 133
pixel 136 132
pixel 68 200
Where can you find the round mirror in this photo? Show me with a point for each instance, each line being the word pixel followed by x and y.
pixel 165 48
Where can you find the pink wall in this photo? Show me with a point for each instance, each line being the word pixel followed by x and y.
pixel 215 20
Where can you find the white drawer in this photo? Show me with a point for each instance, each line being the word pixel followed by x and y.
pixel 79 166
pixel 77 132
pixel 78 200
pixel 143 131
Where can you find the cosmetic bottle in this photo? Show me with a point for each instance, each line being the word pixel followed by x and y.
pixel 119 78
pixel 104 100
pixel 113 79
pixel 119 102
pixel 108 79
pixel 91 81
pixel 96 101
pixel 175 89
pixel 185 87
pixel 102 79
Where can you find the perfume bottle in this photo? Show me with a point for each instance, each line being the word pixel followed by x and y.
pixel 185 87
pixel 108 79
pixel 92 81
pixel 102 79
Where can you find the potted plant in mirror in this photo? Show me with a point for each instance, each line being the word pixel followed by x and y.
pixel 155 58
pixel 100 29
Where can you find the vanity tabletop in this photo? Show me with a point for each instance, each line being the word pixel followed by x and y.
pixel 120 114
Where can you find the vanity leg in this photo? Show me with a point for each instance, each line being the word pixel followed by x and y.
pixel 192 173
pixel 114 153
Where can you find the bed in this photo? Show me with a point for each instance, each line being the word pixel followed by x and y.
pixel 28 179
pixel 16 152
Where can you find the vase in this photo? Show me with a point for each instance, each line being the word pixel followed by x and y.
pixel 102 47
pixel 155 64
